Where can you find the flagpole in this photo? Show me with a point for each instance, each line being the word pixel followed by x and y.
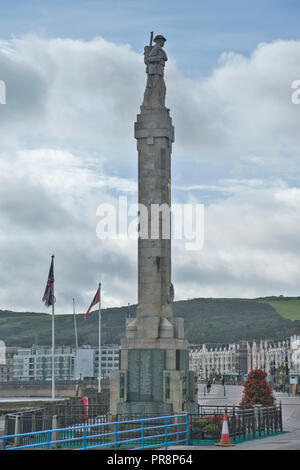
pixel 75 326
pixel 53 342
pixel 100 356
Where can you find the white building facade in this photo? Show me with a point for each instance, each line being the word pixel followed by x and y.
pixel 69 364
pixel 295 354
pixel 87 361
pixel 280 357
pixel 36 363
pixel 219 360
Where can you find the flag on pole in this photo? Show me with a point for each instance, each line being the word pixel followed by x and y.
pixel 49 298
pixel 96 299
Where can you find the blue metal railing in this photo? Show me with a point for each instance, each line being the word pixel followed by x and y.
pixel 87 437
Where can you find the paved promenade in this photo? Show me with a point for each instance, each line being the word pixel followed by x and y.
pixel 289 440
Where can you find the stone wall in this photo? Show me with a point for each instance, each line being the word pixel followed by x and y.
pixel 43 390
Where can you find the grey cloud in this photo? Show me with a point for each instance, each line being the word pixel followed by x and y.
pixel 27 207
pixel 72 118
pixel 26 91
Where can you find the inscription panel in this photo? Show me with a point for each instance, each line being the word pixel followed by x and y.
pixel 133 387
pixel 145 374
pixel 184 367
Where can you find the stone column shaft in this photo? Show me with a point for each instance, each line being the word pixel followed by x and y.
pixel 154 133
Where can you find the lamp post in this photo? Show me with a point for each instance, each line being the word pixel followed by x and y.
pixel 272 372
pixel 286 360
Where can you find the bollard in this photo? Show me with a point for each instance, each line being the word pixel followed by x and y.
pixel 85 407
pixel 17 440
pixel 54 435
pixel 224 391
pixel 204 390
pixel 257 412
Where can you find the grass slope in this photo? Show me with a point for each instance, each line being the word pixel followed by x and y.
pixel 287 307
pixel 206 321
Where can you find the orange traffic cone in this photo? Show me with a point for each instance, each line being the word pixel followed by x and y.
pixel 225 441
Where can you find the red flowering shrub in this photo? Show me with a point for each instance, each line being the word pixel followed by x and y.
pixel 257 391
pixel 215 419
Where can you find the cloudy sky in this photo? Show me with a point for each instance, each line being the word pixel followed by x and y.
pixel 75 78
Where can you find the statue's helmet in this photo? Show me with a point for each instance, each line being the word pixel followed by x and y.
pixel 159 36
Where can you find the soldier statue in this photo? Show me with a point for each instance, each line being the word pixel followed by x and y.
pixel 155 58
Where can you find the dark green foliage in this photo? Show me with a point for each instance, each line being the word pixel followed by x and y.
pixel 206 321
pixel 230 320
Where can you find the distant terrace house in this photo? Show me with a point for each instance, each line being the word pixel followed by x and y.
pixel 295 354
pixel 218 360
pixel 278 358
pixel 272 355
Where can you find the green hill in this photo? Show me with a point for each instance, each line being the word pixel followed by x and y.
pixel 206 321
pixel 287 307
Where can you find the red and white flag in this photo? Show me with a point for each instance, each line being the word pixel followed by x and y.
pixel 96 299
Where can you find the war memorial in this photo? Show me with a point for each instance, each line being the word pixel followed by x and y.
pixel 154 376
